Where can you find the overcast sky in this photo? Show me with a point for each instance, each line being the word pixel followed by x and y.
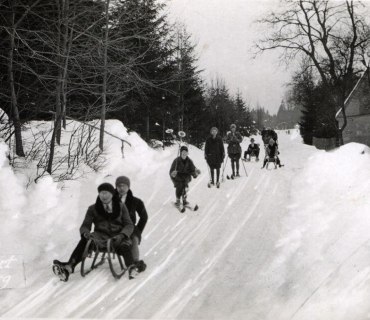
pixel 224 33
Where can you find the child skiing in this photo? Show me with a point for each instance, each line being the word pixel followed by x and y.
pixel 182 169
pixel 214 153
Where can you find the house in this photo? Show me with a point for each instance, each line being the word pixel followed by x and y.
pixel 357 107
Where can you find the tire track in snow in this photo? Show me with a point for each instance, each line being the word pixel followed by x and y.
pixel 173 308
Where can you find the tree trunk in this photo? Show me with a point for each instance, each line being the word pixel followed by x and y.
pixel 14 105
pixel 52 144
pixel 105 74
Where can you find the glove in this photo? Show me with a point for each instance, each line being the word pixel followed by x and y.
pixel 196 173
pixel 86 235
pixel 174 174
pixel 119 237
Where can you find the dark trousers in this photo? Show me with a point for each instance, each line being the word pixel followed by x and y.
pixel 234 157
pixel 122 250
pixel 180 188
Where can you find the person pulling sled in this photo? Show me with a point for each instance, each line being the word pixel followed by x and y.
pixel 181 172
pixel 214 153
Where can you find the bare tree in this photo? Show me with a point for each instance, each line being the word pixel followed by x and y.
pixel 332 34
pixel 14 105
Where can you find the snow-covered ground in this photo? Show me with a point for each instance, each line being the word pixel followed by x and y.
pixel 291 243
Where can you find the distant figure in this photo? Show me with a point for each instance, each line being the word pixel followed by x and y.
pixel 253 150
pixel 268 134
pixel 214 153
pixel 272 152
pixel 233 139
pixel 182 169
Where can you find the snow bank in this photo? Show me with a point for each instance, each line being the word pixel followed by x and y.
pixel 328 234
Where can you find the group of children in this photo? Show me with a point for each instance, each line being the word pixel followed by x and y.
pixel 183 169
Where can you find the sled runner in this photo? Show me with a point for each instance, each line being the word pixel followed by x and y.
pixel 271 160
pixel 105 249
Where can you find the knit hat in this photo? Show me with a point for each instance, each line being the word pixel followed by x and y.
pixel 106 187
pixel 184 148
pixel 124 180
pixel 233 126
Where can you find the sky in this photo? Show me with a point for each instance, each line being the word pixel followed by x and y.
pixel 225 32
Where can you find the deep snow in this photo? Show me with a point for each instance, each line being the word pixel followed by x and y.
pixel 291 243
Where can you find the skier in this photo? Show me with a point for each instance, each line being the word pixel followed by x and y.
pixel 182 169
pixel 214 153
pixel 253 150
pixel 272 152
pixel 233 139
pixel 111 220
pixel 134 205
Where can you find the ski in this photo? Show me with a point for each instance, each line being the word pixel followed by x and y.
pixel 181 208
pixel 232 177
pixel 192 208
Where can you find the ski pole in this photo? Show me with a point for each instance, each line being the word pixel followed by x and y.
pixel 244 169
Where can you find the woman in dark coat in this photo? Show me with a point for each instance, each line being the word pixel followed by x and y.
pixel 214 153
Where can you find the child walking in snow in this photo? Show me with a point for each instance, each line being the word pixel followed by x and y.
pixel 182 169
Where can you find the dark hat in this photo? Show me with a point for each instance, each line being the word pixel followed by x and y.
pixel 184 148
pixel 233 126
pixel 124 180
pixel 106 187
pixel 252 140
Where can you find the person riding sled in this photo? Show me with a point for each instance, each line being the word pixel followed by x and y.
pixel 272 153
pixel 111 220
pixel 214 153
pixel 135 207
pixel 181 172
pixel 253 150
pixel 234 150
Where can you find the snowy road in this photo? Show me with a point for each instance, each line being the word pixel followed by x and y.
pixel 219 262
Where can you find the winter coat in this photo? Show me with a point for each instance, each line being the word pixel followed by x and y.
pixel 267 135
pixel 253 148
pixel 135 205
pixel 233 140
pixel 108 224
pixel 185 170
pixel 272 151
pixel 214 151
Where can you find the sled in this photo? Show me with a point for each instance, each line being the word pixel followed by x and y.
pixel 271 160
pixel 103 248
